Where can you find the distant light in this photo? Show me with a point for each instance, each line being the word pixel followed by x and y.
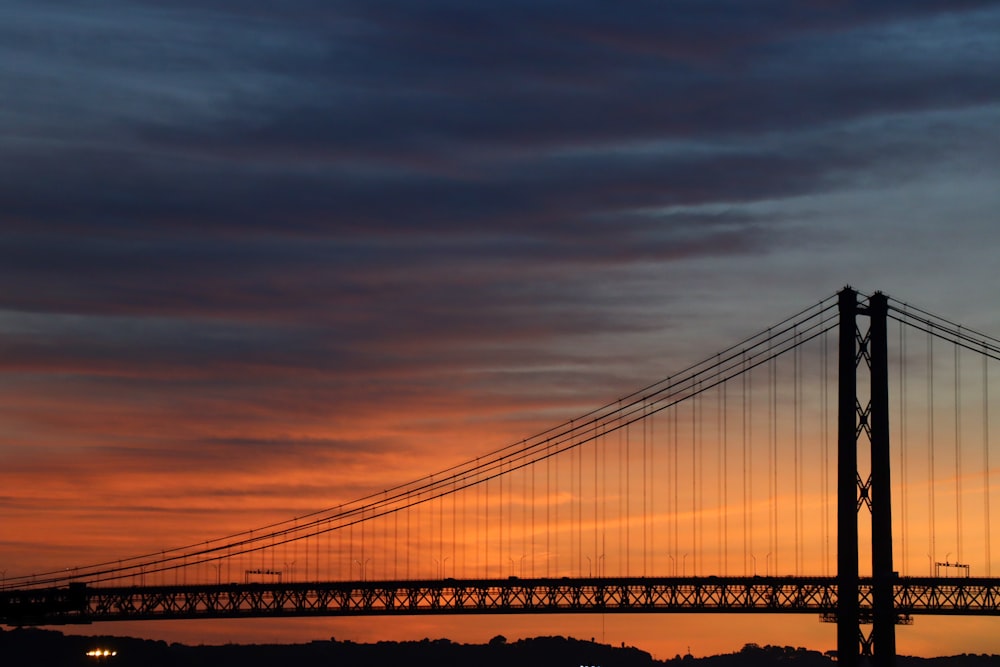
pixel 102 653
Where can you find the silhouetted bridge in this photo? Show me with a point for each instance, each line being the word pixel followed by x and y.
pixel 730 595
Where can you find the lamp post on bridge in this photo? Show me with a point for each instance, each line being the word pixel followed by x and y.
pixel 441 566
pixel 361 566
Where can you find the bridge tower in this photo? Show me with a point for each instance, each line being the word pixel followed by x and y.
pixel 868 417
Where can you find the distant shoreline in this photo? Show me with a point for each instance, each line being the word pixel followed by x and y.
pixel 51 647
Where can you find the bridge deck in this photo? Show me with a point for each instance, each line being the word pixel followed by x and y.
pixel 79 603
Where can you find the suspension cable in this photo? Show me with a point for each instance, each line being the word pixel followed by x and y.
pixel 738 359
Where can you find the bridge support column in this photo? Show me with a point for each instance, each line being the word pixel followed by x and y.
pixel 883 607
pixel 853 492
pixel 848 621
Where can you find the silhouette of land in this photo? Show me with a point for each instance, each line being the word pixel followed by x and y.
pixel 48 647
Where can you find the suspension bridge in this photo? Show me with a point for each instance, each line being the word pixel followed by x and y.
pixel 762 479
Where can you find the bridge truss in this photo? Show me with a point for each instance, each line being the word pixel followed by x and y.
pixel 798 595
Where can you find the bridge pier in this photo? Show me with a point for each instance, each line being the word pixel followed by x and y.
pixel 853 492
pixel 848 618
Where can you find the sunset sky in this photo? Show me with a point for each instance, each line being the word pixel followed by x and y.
pixel 260 258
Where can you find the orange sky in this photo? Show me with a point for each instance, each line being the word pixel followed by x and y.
pixel 126 500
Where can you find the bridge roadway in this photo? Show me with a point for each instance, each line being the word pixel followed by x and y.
pixel 79 603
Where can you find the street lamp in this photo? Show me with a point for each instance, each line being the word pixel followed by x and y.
pixel 590 567
pixel 684 565
pixel 291 569
pixel 441 566
pixel 767 564
pixel 361 566
pixel 754 564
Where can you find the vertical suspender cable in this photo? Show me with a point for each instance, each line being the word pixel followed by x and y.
pixel 628 500
pixel 677 505
pixel 671 513
pixel 747 467
pixel 486 528
pixel 573 525
pixel 533 466
pixel 652 489
pixel 904 508
pixel 515 498
pixel 930 446
pixel 454 524
pixel 986 460
pixel 579 508
pixel 523 527
pixel 621 496
pixel 548 511
pixel 604 494
pixel 340 548
pixel 796 445
pixel 772 430
pixel 475 521
pixel 440 531
pixel 958 454
pixel 825 437
pixel 500 512
pixel 725 479
pixel 720 473
pixel 645 443
pixel 306 543
pixel 700 496
pixel 417 541
pixel 598 445
pixel 573 513
pixel 694 476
